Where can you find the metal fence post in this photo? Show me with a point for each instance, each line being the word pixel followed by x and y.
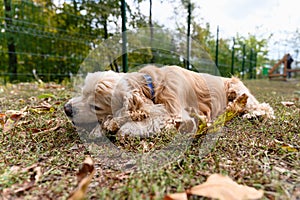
pixel 124 37
pixel 251 64
pixel 217 50
pixel 243 63
pixel 188 35
pixel 232 57
pixel 255 62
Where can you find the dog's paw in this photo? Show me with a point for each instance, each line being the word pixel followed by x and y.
pixel 188 126
pixel 111 125
pixel 262 111
pixel 143 128
pixel 97 132
pixel 139 115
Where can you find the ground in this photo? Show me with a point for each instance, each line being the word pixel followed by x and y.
pixel 41 154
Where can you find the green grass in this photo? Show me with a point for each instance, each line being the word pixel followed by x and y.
pixel 250 152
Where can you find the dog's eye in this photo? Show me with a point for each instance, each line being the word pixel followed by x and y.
pixel 93 107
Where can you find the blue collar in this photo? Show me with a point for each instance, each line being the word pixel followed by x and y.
pixel 149 84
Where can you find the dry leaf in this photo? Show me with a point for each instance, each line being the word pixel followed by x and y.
pixel 27 185
pixel 43 107
pixel 238 105
pixel 56 127
pixel 176 196
pixel 9 124
pixel 220 187
pixel 87 167
pixel 13 116
pixel 2 119
pixel 84 177
pixel 287 103
pixel 34 178
pixel 223 188
pixel 281 169
pixel 232 110
pixel 289 148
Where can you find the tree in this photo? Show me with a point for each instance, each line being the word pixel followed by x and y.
pixel 10 40
pixel 256 47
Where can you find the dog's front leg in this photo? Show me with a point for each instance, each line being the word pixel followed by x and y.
pixel 136 105
pixel 115 123
pixel 111 125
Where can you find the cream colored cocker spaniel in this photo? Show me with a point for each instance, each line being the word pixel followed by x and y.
pixel 145 102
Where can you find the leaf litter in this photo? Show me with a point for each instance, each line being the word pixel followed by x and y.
pixel 220 187
pixel 256 158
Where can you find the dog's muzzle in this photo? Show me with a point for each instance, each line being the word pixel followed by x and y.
pixel 68 109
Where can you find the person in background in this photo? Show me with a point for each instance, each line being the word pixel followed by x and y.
pixel 289 64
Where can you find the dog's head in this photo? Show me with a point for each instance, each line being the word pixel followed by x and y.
pixel 94 103
pixel 235 88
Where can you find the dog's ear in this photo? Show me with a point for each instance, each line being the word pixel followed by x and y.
pixel 105 86
pixel 231 95
pixel 135 101
pixel 136 104
pixel 230 91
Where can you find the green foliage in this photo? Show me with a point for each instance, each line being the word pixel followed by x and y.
pixel 54 39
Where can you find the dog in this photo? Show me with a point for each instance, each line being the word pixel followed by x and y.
pixel 143 103
pixel 94 103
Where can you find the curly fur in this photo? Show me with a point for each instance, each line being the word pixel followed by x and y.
pixel 124 102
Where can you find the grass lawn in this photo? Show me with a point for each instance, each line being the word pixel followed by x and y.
pixel 41 154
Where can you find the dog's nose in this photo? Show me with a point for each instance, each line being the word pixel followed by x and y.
pixel 68 110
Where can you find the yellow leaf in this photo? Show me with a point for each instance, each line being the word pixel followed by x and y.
pixel 232 110
pixel 289 148
pixel 229 115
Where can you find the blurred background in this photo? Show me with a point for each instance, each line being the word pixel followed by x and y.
pixel 51 38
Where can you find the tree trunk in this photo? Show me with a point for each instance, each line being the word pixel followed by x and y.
pixel 10 42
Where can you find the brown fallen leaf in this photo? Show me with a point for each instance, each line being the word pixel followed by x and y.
pixel 84 177
pixel 17 189
pixel 87 167
pixel 46 130
pixel 176 196
pixel 12 118
pixel 9 124
pixel 220 187
pixel 287 103
pixel 224 188
pixel 34 178
pixel 44 107
pixel 2 119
